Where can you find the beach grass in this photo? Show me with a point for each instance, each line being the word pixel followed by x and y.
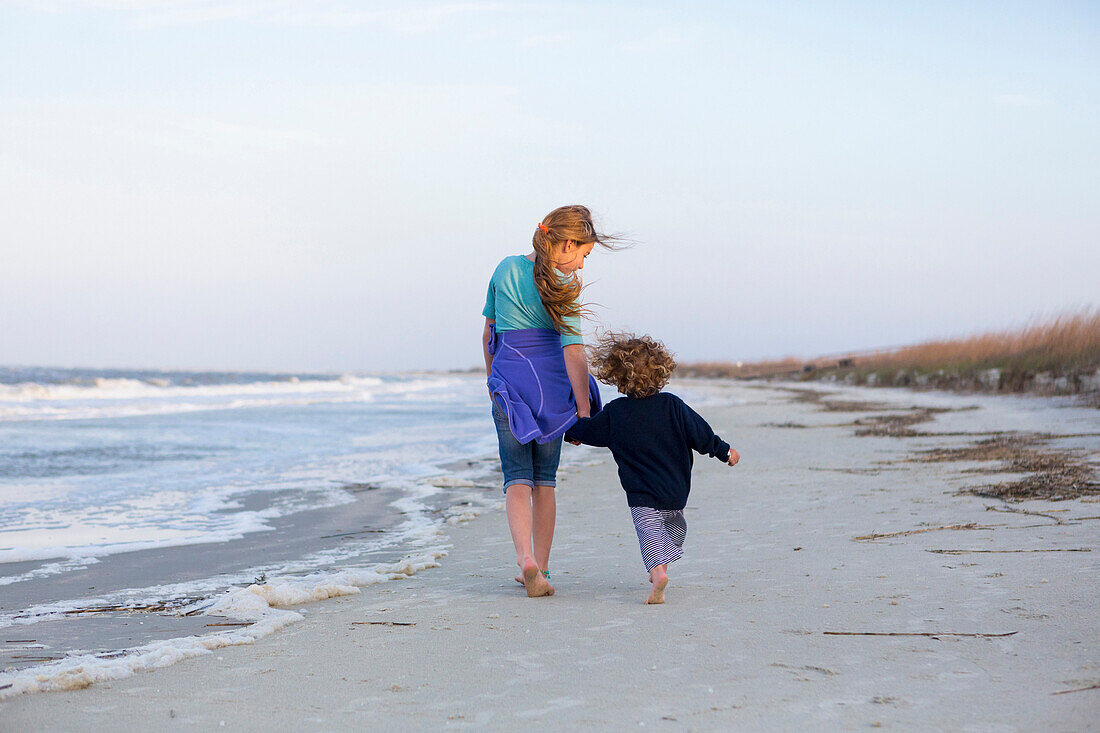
pixel 1059 354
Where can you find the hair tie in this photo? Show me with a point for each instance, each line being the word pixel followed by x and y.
pixel 544 228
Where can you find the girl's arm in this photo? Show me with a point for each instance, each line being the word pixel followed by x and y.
pixel 485 346
pixel 576 364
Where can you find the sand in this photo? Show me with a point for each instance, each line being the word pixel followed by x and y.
pixel 770 566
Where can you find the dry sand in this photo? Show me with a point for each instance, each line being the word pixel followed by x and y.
pixel 770 565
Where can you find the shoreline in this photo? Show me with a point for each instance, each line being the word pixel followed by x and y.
pixel 771 564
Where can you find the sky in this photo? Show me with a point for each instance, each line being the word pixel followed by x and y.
pixel 260 184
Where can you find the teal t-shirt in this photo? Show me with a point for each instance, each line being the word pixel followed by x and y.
pixel 513 300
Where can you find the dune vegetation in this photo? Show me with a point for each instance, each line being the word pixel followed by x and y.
pixel 1057 355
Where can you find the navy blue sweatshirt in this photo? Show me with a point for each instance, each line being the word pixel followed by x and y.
pixel 651 439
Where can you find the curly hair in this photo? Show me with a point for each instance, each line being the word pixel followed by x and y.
pixel 638 365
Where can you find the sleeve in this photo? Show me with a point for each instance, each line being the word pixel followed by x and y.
pixel 490 309
pixel 595 430
pixel 568 339
pixel 701 437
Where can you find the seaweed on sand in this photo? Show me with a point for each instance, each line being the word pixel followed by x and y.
pixel 1051 474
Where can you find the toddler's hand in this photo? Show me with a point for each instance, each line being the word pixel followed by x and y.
pixel 573 442
pixel 734 457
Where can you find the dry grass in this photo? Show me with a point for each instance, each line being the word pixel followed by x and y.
pixel 1067 343
pixel 739 370
pixel 1058 354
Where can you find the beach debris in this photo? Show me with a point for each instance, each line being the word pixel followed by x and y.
pixel 930 634
pixel 1078 689
pixel 1046 549
pixel 820 399
pixel 897 424
pixel 451 482
pixel 968 525
pixel 358 487
pixel 383 623
pixel 1013 510
pixel 172 606
pixel 365 530
pixel 233 623
pixel 805 668
pixel 1054 475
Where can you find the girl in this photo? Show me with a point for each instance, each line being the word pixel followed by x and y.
pixel 538 376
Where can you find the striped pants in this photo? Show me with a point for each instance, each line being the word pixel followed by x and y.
pixel 661 534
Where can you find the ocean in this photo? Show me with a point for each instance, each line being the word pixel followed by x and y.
pixel 148 516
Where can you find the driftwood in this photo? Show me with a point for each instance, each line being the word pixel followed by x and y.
pixel 233 623
pixel 384 623
pixel 1052 549
pixel 968 525
pixel 1013 510
pixel 1077 689
pixel 913 633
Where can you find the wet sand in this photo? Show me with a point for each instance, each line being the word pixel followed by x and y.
pixel 776 618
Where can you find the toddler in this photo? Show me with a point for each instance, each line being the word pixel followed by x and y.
pixel 651 435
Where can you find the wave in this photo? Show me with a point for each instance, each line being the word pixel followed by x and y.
pixel 128 397
pixel 264 606
pixel 104 388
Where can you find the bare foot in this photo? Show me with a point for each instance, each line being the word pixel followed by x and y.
pixel 534 581
pixel 519 578
pixel 660 580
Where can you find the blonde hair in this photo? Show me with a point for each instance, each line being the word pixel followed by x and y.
pixel 638 365
pixel 561 295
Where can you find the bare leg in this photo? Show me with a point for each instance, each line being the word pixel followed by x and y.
pixel 518 507
pixel 658 576
pixel 545 510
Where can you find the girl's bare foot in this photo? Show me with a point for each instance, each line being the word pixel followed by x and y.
pixel 545 574
pixel 659 578
pixel 534 581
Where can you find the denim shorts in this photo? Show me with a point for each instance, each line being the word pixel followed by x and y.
pixel 532 464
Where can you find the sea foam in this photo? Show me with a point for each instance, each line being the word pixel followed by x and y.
pixel 264 606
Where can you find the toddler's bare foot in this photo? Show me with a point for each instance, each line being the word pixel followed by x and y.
pixel 659 578
pixel 534 581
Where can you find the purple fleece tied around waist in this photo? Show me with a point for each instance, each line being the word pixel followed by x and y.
pixel 529 382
